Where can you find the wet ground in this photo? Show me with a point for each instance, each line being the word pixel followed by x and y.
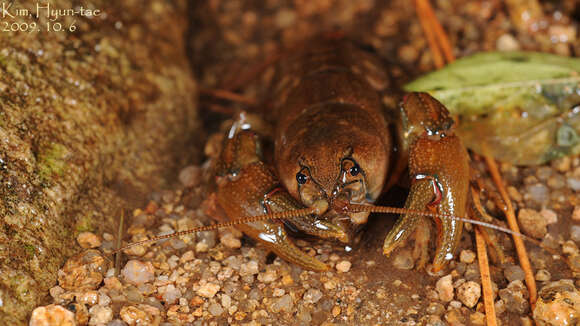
pixel 219 278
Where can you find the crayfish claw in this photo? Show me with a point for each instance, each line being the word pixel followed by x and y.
pixel 274 237
pixel 419 196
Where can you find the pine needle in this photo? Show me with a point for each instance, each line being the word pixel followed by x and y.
pixel 511 219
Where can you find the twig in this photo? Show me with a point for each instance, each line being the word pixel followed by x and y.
pixel 119 241
pixel 511 219
pixel 485 279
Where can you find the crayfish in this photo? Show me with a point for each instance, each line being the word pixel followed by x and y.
pixel 337 147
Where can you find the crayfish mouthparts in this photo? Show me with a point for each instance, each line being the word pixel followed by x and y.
pixel 320 207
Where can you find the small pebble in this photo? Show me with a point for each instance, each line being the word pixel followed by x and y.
pixel 137 272
pixel 558 304
pixel 435 308
pixel 575 233
pixel 208 290
pixel 215 309
pixel 336 311
pixel 538 193
pixel 230 241
pixel 330 284
pixel 52 315
pixel 343 266
pixel 507 42
pixel 88 240
pixel 467 256
pixel 454 304
pixel 100 315
pixel 543 275
pixel 170 294
pixel 515 297
pixel 141 314
pixel 532 223
pixel 270 275
pixel 444 287
pixel 226 301
pixel 89 298
pixel 574 183
pixel 278 292
pixel 83 271
pixel 283 303
pixel 249 268
pixel 513 273
pixel 312 295
pixel 469 293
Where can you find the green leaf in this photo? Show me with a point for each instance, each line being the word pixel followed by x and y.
pixel 524 107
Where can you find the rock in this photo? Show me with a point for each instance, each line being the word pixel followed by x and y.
pixel 278 292
pixel 538 193
pixel 137 272
pixel 89 297
pixel 532 223
pixel 208 290
pixel 88 240
pixel 229 240
pixel 343 266
pixel 205 241
pixel 170 294
pixel 543 275
pixel 515 297
pixel 467 256
pixel 558 304
pixel 444 287
pixel 100 315
pixel 469 293
pixel 435 308
pixel 270 275
pixel 283 303
pixel 190 176
pixel 66 140
pixel 83 271
pixel 141 314
pixel 513 273
pixel 312 295
pixel 52 315
pixel 404 260
pixel 215 309
pixel 249 268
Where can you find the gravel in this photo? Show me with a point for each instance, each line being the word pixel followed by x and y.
pixel 52 315
pixel 469 293
pixel 444 288
pixel 532 223
pixel 137 272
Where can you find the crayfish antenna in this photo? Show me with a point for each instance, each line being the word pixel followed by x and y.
pixel 397 210
pixel 243 220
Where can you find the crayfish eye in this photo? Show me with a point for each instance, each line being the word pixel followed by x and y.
pixel 354 170
pixel 301 178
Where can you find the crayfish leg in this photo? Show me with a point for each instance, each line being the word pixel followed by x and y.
pixel 274 237
pixel 420 195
